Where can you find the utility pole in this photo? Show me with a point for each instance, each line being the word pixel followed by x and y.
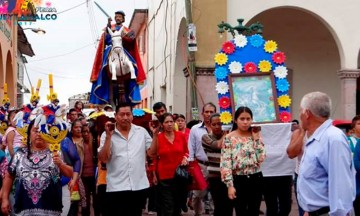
pixel 191 58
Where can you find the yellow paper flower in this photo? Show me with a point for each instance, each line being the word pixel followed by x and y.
pixel 221 58
pixel 270 46
pixel 54 131
pixel 284 101
pixel 225 117
pixel 24 140
pixel 264 66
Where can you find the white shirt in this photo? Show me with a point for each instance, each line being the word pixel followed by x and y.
pixel 196 150
pixel 126 166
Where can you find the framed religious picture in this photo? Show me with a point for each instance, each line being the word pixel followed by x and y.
pixel 256 91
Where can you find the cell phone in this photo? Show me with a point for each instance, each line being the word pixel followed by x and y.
pixel 255 128
pixel 111 126
pixel 155 123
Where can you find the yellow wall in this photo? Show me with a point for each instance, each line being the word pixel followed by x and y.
pixel 8 64
pixel 206 15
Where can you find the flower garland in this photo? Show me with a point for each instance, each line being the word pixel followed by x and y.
pixel 251 54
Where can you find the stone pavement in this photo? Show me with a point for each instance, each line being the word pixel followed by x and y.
pixel 294 209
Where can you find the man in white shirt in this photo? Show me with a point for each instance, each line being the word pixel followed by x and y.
pixel 123 148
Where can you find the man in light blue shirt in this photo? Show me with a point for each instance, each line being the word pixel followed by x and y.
pixel 326 184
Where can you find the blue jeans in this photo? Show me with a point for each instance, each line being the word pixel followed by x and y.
pixel 301 211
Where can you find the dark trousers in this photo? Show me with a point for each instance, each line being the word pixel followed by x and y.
pixel 151 195
pixel 223 206
pixel 125 203
pixel 99 205
pixel 249 189
pixel 74 208
pixel 90 187
pixel 169 197
pixel 357 205
pixel 277 195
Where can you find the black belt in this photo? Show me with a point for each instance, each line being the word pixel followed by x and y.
pixel 321 211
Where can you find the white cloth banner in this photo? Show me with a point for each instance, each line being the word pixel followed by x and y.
pixel 276 138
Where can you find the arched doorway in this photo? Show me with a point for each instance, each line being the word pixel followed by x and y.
pixel 10 79
pixel 181 84
pixel 311 53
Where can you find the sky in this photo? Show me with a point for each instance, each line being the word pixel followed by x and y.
pixel 67 50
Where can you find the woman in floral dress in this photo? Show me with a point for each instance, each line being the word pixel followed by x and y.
pixel 241 156
pixel 35 171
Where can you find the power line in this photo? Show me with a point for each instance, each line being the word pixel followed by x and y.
pixel 71 8
pixel 61 55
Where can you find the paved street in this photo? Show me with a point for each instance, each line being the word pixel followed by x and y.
pixel 294 209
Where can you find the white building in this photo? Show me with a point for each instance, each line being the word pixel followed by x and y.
pixel 320 38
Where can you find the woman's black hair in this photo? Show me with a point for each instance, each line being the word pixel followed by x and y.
pixel 214 115
pixel 242 109
pixel 179 116
pixel 9 114
pixel 28 141
pixel 77 102
pixel 163 116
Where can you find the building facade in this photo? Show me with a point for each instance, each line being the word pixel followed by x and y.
pixel 8 58
pixel 138 24
pixel 169 60
pixel 319 38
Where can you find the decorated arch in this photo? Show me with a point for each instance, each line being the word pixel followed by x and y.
pixel 250 71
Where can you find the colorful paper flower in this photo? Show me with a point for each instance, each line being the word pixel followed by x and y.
pixel 235 67
pixel 221 73
pixel 270 46
pixel 256 40
pixel 264 66
pixel 222 87
pixel 285 116
pixel 228 47
pixel 221 58
pixel 282 85
pixel 250 67
pixel 224 102
pixel 284 101
pixel 240 40
pixel 138 112
pixel 280 72
pixel 225 117
pixel 278 57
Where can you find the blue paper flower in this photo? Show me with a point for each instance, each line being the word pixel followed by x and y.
pixel 282 85
pixel 221 73
pixel 138 112
pixel 256 40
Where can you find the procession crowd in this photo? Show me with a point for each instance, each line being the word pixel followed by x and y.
pixel 119 168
